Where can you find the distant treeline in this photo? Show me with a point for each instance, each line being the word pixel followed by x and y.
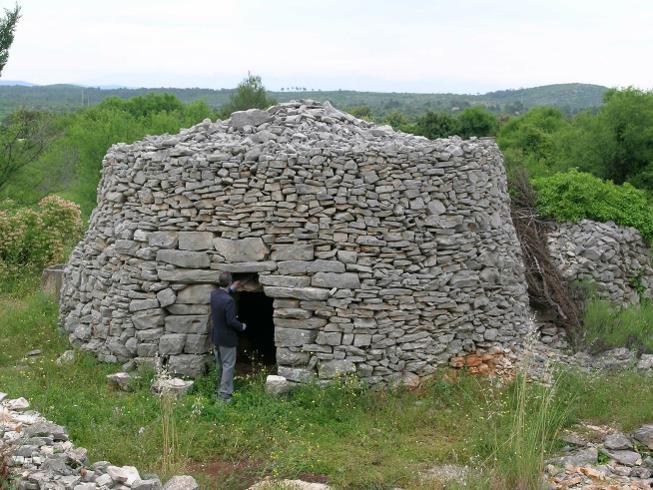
pixel 43 152
pixel 569 98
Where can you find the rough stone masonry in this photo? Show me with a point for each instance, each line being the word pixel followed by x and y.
pixel 385 253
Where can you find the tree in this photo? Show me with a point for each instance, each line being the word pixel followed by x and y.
pixel 24 135
pixel 249 94
pixel 437 125
pixel 361 112
pixel 476 121
pixel 7 28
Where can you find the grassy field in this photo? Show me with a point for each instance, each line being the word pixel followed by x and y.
pixel 345 435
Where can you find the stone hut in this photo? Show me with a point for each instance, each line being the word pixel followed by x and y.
pixel 362 250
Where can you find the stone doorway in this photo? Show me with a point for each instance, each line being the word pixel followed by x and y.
pixel 256 310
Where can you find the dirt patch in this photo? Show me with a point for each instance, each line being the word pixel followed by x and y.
pixel 226 474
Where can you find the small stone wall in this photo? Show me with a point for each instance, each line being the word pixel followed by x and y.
pixel 616 259
pixel 386 254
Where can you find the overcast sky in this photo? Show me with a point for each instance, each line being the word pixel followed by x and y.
pixel 400 45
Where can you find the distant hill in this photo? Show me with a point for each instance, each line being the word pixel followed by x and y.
pixel 16 82
pixel 570 97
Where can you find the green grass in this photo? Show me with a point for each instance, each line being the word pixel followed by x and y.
pixel 607 326
pixel 345 434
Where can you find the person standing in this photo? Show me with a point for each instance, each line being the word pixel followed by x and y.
pixel 225 334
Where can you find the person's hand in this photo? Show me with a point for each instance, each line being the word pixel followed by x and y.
pixel 234 285
pixel 244 327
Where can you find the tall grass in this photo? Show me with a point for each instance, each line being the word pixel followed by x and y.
pixel 170 439
pixel 607 326
pixel 523 427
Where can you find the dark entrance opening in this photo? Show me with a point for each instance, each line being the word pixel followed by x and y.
pixel 255 309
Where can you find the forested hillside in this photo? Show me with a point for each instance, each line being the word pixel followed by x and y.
pixel 570 98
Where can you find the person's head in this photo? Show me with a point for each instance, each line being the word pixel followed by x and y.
pixel 224 279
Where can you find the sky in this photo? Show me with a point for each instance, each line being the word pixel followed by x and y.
pixel 461 46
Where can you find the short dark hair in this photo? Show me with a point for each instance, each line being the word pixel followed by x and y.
pixel 224 279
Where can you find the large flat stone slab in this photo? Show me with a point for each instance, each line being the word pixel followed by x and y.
pixel 243 250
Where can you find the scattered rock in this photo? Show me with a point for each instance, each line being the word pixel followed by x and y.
pixel 645 435
pixel 16 404
pixel 66 358
pixel 124 474
pixel 628 458
pixel 276 385
pixel 645 362
pixel 183 482
pixel 175 386
pixel 150 484
pixel 34 353
pixel 580 457
pixel 617 441
pixel 120 381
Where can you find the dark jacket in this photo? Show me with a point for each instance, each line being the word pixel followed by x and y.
pixel 223 317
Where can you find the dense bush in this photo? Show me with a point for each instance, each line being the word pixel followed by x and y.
pixel 33 238
pixel 574 195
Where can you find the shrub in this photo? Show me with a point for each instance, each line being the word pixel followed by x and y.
pixel 33 238
pixel 574 195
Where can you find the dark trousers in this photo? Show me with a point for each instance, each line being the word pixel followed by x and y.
pixel 225 358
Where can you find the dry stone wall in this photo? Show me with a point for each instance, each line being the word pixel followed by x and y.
pixel 615 259
pixel 386 254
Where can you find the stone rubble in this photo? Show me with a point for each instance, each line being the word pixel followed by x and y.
pixel 614 258
pixel 386 254
pixel 43 458
pixel 628 464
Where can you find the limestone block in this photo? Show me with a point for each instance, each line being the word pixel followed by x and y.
pixel 306 323
pixel 248 267
pixel 188 276
pixel 304 267
pixel 164 239
pixel 187 364
pixel 276 385
pixel 293 337
pixel 183 258
pixel 51 280
pixel 172 344
pixel 166 297
pixel 285 281
pixel 198 324
pixel 251 117
pixel 336 367
pixel 329 338
pixel 243 250
pixel 346 280
pixel 288 357
pixel 196 294
pixel 299 375
pixel 195 240
pixel 293 252
pixel 150 484
pixel 298 293
pixel 143 304
pixel 197 344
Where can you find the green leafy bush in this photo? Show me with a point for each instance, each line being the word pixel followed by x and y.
pixel 33 238
pixel 574 195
